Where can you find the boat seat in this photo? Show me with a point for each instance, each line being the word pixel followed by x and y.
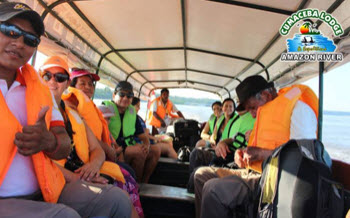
pixel 339 172
pixel 170 172
pixel 166 201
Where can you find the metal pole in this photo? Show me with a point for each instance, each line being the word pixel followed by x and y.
pixel 320 100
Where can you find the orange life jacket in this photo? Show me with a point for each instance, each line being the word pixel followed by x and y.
pixel 50 177
pixel 272 125
pixel 82 146
pixel 161 111
pixel 90 113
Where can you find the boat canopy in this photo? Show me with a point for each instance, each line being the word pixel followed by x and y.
pixel 205 45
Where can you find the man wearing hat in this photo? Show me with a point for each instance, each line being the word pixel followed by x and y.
pixel 289 114
pixel 32 133
pixel 124 126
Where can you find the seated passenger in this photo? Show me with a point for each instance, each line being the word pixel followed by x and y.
pixel 33 133
pixel 294 111
pixel 124 126
pixel 82 81
pixel 76 98
pixel 161 113
pixel 107 113
pixel 209 126
pixel 240 125
pixel 166 147
pixel 223 127
pixel 87 159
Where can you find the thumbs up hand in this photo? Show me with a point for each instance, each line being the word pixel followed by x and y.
pixel 35 138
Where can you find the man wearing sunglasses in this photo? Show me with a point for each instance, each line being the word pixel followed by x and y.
pixel 32 133
pixel 124 126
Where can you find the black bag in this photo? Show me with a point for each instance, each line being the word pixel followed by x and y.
pixel 187 132
pixel 229 161
pixel 296 182
pixel 184 154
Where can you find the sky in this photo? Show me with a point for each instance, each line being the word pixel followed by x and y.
pixel 336 87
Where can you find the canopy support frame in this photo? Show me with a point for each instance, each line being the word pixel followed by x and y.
pixel 190 81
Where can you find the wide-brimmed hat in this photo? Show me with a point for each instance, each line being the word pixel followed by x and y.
pixel 82 72
pixel 249 87
pixel 10 10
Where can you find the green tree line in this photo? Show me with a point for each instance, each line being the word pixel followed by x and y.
pixel 105 93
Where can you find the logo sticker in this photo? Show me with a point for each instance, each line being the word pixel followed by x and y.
pixel 21 7
pixel 310 44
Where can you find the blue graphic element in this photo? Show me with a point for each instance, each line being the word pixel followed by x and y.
pixel 310 43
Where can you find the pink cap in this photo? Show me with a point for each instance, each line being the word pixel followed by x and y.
pixel 83 72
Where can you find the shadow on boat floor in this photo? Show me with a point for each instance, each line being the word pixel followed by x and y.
pixel 166 195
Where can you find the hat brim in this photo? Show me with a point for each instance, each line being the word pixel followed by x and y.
pixel 240 107
pixel 34 19
pixel 108 115
pixel 45 67
pixel 93 76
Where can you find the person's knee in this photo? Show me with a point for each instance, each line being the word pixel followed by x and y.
pixel 200 143
pixel 135 153
pixel 120 202
pixel 194 154
pixel 66 211
pixel 210 185
pixel 155 151
pixel 200 172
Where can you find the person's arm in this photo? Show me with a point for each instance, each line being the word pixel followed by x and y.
pixel 214 135
pixel 159 118
pixel 55 143
pixel 91 169
pixel 144 139
pixel 205 131
pixel 111 153
pixel 72 102
pixel 145 142
pixel 139 132
pixel 251 154
pixel 153 109
pixel 303 123
pixel 222 148
pixel 175 110
pixel 180 114
pixel 150 137
pixel 70 177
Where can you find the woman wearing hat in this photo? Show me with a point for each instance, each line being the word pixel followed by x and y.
pixel 87 158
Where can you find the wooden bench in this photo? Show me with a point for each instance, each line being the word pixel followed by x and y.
pixel 340 172
pixel 170 172
pixel 166 201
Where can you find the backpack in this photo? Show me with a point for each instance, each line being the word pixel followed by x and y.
pixel 297 182
pixel 183 154
pixel 187 132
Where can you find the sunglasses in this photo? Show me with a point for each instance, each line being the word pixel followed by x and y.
pixel 128 95
pixel 59 77
pixel 15 32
